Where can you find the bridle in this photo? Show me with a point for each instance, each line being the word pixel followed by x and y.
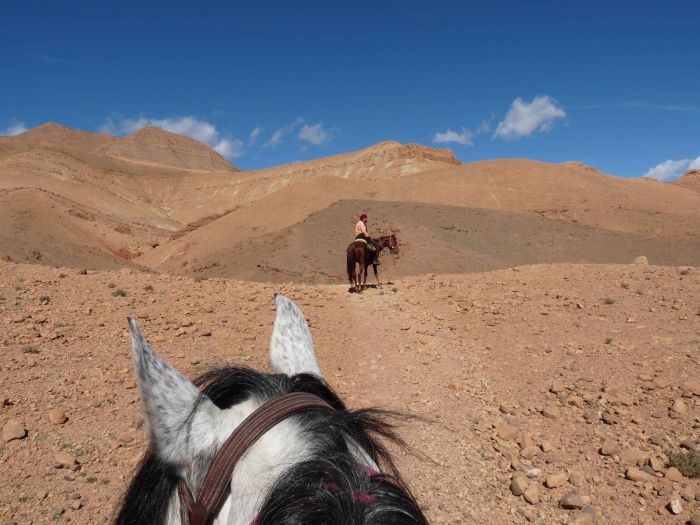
pixel 218 476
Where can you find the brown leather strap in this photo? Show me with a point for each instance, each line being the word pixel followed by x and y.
pixel 253 427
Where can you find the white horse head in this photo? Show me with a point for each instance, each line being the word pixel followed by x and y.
pixel 319 466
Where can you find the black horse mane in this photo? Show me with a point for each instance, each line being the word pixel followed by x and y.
pixel 330 488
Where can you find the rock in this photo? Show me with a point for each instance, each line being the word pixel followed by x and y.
pixel 591 511
pixel 576 401
pixel 641 260
pixel 675 506
pixel 571 501
pixel 529 452
pixel 660 383
pixel 687 494
pixel 533 472
pixel 546 446
pixel 64 459
pixel 635 474
pixel 532 495
pixel 610 419
pixel 551 411
pixel 691 388
pixel 13 429
pixel 656 463
pixel 695 519
pixel 75 505
pixel 57 417
pixel 577 479
pixel 507 432
pixel 632 456
pixel 518 485
pixel 609 448
pixel 557 387
pixel 678 408
pixel 582 519
pixel 673 474
pixel 555 480
pixel 658 440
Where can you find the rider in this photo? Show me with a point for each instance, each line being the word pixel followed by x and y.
pixel 361 233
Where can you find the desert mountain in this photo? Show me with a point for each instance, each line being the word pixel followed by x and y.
pixel 156 146
pixel 690 180
pixel 169 203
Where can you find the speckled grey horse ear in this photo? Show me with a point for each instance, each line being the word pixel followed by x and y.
pixel 179 423
pixel 291 346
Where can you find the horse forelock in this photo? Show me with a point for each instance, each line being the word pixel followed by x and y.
pixel 151 496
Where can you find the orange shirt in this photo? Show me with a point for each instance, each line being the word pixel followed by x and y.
pixel 360 228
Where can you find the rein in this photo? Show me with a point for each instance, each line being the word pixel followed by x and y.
pixel 246 434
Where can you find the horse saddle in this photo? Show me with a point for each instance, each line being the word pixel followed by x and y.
pixel 370 245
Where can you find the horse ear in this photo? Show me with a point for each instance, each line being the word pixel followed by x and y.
pixel 291 347
pixel 180 422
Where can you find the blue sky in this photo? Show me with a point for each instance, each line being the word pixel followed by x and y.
pixel 614 84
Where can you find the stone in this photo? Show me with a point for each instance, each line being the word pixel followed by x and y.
pixel 57 417
pixel 695 519
pixel 546 446
pixel 675 506
pixel 13 429
pixel 577 479
pixel 673 474
pixel 555 480
pixel 64 459
pixel 679 407
pixel 75 505
pixel 582 519
pixel 507 432
pixel 518 485
pixel 551 411
pixel 641 261
pixel 691 388
pixel 635 474
pixel 557 387
pixel 609 448
pixel 529 452
pixel 660 383
pixel 591 511
pixel 632 456
pixel 656 463
pixel 571 501
pixel 532 495
pixel 687 494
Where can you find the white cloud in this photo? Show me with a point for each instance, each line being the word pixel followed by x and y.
pixel 672 169
pixel 314 134
pixel 192 127
pixel 254 136
pixel 464 138
pixel 14 129
pixel 279 134
pixel 524 118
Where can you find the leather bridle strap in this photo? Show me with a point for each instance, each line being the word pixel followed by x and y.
pixel 246 434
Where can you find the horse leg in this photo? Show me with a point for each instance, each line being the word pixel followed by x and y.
pixel 376 275
pixel 364 280
pixel 358 278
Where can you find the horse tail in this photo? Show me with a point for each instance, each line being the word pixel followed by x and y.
pixel 351 265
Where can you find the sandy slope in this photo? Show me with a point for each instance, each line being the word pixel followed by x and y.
pixel 568 356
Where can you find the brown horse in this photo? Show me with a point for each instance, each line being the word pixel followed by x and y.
pixel 359 258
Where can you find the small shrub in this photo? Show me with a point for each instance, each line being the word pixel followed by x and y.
pixel 45 299
pixel 61 275
pixel 640 291
pixel 111 285
pixel 148 288
pixel 29 349
pixel 91 479
pixel 625 285
pixel 685 271
pixel 119 293
pixel 608 340
pixel 59 325
pixel 608 300
pixel 688 463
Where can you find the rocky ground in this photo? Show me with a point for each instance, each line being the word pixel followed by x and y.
pixel 552 394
